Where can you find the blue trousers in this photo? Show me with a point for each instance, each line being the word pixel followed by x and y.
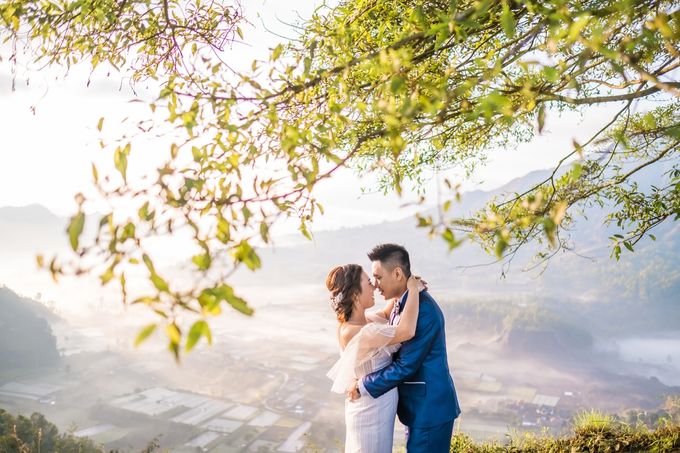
pixel 434 439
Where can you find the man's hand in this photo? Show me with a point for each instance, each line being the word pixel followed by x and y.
pixel 352 391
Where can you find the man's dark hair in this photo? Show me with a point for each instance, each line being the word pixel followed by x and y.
pixel 392 255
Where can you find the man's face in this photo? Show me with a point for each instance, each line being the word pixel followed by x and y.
pixel 385 280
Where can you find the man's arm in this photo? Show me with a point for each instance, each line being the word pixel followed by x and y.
pixel 410 357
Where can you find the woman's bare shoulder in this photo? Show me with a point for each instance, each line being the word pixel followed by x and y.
pixel 347 332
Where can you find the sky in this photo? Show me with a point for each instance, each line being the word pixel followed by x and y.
pixel 50 139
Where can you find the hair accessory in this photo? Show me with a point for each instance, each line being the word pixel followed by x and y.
pixel 335 300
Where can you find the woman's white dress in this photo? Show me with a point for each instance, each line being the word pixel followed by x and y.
pixel 369 421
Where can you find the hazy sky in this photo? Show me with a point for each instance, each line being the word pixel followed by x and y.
pixel 49 139
pixel 49 135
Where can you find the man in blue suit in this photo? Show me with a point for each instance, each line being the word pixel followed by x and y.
pixel 428 404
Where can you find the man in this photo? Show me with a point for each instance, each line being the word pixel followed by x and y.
pixel 428 404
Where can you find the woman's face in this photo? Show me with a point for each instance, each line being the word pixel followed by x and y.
pixel 366 298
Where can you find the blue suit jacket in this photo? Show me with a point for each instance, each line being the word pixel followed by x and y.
pixel 420 370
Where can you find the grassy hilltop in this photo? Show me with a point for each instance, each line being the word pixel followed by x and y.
pixel 592 432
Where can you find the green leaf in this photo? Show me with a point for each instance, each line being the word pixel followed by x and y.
pixel 551 74
pixel 223 230
pixel 239 304
pixel 174 349
pixel 145 333
pixel 673 132
pixel 450 239
pixel 159 283
pixel 75 229
pixel 198 329
pixel 577 147
pixel 576 171
pixel 129 232
pixel 203 261
pixel 173 333
pixel 397 84
pixel 650 120
pixel 196 153
pixel 225 293
pixel 541 118
pixel 247 213
pixel 577 26
pixel 106 276
pixel 500 247
pixel 156 279
pixel 501 243
pixel 245 254
pixel 508 21
pixel 550 229
pixel 148 262
pixel 120 162
pixel 143 212
pixel 147 300
pixel 123 287
pixel 305 232
pixel 264 232
pixel 277 52
pixel 424 221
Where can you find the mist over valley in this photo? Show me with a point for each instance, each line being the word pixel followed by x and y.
pixel 527 349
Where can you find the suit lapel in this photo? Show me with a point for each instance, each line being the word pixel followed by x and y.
pixel 398 308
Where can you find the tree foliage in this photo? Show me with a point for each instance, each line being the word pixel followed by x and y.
pixel 26 338
pixel 23 434
pixel 391 87
pixel 34 434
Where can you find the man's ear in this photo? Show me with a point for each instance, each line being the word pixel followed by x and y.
pixel 398 273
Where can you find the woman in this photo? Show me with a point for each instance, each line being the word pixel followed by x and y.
pixel 367 342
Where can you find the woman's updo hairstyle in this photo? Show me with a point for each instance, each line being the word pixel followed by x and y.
pixel 344 282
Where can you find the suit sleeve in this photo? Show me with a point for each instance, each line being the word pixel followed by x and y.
pixel 410 357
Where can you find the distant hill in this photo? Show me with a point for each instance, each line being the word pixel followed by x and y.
pixel 31 229
pixel 34 214
pixel 26 339
pixel 642 285
pixel 36 229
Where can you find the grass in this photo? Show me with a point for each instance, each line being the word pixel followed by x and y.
pixel 593 420
pixel 593 432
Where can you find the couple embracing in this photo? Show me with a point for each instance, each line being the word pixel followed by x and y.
pixel 393 360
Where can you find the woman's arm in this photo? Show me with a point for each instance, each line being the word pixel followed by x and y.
pixel 387 311
pixel 409 317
